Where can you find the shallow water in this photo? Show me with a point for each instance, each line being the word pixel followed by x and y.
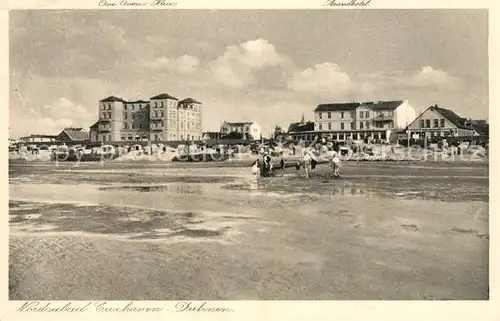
pixel 380 232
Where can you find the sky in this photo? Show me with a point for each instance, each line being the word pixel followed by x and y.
pixel 267 66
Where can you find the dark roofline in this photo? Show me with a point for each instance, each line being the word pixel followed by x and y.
pixel 387 104
pixel 164 96
pixel 300 127
pixel 446 113
pixel 189 100
pixel 112 99
pixel 336 107
pixel 452 117
pixel 240 123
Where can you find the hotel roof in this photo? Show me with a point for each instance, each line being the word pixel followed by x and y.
pixel 164 96
pixel 385 105
pixel 189 100
pixel 381 105
pixel 337 107
pixel 112 99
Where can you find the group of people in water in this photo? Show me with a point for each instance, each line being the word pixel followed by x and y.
pixel 263 166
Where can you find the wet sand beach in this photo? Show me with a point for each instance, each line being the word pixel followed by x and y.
pixel 174 231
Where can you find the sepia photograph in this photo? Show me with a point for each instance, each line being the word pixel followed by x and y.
pixel 211 154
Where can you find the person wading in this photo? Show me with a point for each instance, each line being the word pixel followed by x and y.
pixel 256 168
pixel 282 164
pixel 268 166
pixel 306 160
pixel 336 165
pixel 314 162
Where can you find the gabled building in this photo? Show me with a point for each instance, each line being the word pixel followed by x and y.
pixel 374 120
pixel 436 121
pixel 249 130
pixel 73 135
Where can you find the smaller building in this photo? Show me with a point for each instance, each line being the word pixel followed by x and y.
pixel 481 126
pixel 94 132
pixel 211 135
pixel 302 131
pixel 440 122
pixel 76 135
pixel 35 138
pixel 248 130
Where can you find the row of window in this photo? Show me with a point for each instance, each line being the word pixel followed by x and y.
pixel 104 114
pixel 125 106
pixel 156 137
pixel 160 104
pixel 361 125
pixel 362 114
pixel 239 130
pixel 342 136
pixel 441 133
pixel 172 114
pixel 173 123
pixel 134 116
pixel 426 123
pixel 191 106
pixel 329 115
pixel 133 107
pixel 155 105
pixel 134 126
pixel 159 138
pixel 158 114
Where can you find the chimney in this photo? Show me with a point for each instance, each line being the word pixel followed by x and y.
pixel 436 105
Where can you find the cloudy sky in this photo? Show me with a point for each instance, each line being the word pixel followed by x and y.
pixel 268 66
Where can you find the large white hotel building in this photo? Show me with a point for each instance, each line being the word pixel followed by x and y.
pixel 162 118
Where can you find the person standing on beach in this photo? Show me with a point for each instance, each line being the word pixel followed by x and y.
pixel 314 162
pixel 336 165
pixel 269 170
pixel 306 160
pixel 282 164
pixel 256 168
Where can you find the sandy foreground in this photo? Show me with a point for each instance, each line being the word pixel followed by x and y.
pixel 137 232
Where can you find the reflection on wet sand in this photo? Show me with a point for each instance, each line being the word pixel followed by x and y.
pixel 177 188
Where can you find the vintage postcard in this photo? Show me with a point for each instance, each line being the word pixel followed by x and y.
pixel 188 160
